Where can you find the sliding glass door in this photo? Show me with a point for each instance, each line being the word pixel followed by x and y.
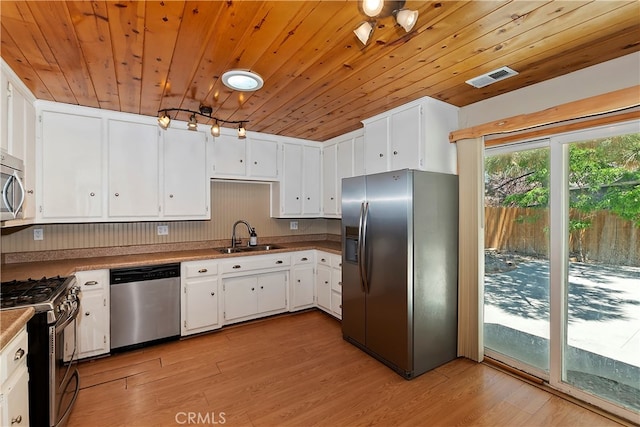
pixel 562 263
pixel 516 297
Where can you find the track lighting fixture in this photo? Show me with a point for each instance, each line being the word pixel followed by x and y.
pixel 164 120
pixel 378 9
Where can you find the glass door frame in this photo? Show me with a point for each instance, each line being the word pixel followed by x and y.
pixel 559 255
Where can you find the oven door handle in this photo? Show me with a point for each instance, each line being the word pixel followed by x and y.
pixel 65 321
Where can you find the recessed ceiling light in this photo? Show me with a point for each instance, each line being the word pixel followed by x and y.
pixel 242 80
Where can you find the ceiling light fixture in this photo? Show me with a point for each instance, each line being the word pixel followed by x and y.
pixel 364 31
pixel 164 120
pixel 242 80
pixel 380 9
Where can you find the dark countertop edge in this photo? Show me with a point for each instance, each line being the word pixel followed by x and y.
pixel 21 271
pixel 11 323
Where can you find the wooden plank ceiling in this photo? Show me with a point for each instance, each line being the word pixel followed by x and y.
pixel 139 57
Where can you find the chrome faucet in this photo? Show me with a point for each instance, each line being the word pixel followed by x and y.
pixel 233 232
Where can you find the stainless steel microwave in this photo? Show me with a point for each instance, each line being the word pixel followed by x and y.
pixel 12 173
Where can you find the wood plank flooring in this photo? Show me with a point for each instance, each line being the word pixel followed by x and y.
pixel 296 370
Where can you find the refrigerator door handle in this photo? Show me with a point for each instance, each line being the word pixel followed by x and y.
pixel 359 247
pixel 363 248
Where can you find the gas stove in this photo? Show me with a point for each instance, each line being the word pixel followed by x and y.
pixel 53 295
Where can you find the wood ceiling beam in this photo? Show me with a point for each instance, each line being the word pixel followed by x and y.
pixel 601 104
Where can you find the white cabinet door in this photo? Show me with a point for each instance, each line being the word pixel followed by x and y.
pixel 358 156
pixel 133 169
pixel 272 292
pixel 91 332
pixel 240 297
pixel 344 168
pixel 201 304
pixel 186 186
pixel 311 177
pixel 4 111
pixel 14 401
pixel 302 284
pixel 323 287
pixel 291 198
pixel 93 319
pixel 376 137
pixel 406 139
pixel 72 164
pixel 329 180
pixel 229 156
pixel 264 158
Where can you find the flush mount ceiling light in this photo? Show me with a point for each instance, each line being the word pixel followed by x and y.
pixel 380 9
pixel 164 120
pixel 242 80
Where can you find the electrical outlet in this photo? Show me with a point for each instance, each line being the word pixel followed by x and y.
pixel 293 225
pixel 163 230
pixel 38 234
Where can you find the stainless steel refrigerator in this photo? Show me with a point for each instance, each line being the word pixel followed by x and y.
pixel 400 268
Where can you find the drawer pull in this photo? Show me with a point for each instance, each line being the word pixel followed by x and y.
pixel 91 283
pixel 238 266
pixel 326 282
pixel 87 313
pixel 19 354
pixel 253 289
pixel 323 260
pixel 213 294
pixel 279 262
pixel 16 420
pixel 202 270
pixel 305 259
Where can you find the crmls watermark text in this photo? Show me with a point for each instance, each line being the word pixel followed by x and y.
pixel 200 418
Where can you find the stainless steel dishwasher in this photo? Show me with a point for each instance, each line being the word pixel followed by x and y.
pixel 145 305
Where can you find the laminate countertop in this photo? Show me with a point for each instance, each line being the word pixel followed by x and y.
pixel 12 321
pixel 66 267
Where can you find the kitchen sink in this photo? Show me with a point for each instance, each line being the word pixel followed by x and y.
pixel 257 248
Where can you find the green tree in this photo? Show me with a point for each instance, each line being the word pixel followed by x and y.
pixel 604 174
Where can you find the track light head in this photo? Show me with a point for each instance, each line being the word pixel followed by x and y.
pixel 164 120
pixel 215 129
pixel 242 132
pixel 193 124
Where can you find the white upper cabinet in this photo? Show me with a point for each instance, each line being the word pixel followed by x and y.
pixel 186 191
pixel 414 136
pixel 71 179
pixel 253 157
pixel 298 194
pixel 133 169
pixel 100 165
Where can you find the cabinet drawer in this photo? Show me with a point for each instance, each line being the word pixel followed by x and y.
pixel 200 268
pixel 242 264
pixel 92 280
pixel 301 258
pixel 324 259
pixel 13 355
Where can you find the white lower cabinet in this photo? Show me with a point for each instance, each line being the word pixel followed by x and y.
pixel 302 290
pixel 253 296
pixel 329 283
pixel 93 319
pixel 200 297
pixel 14 390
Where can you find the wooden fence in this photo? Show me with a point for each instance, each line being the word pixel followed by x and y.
pixel 610 239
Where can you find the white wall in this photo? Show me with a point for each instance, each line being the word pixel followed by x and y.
pixel 599 79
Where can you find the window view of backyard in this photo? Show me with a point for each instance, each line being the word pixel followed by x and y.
pixel 601 329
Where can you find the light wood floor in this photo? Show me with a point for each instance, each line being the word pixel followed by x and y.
pixel 296 370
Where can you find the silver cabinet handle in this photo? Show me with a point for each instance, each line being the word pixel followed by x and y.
pixel 19 354
pixel 202 270
pixel 237 266
pixel 16 420
pixel 92 194
pixel 90 283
